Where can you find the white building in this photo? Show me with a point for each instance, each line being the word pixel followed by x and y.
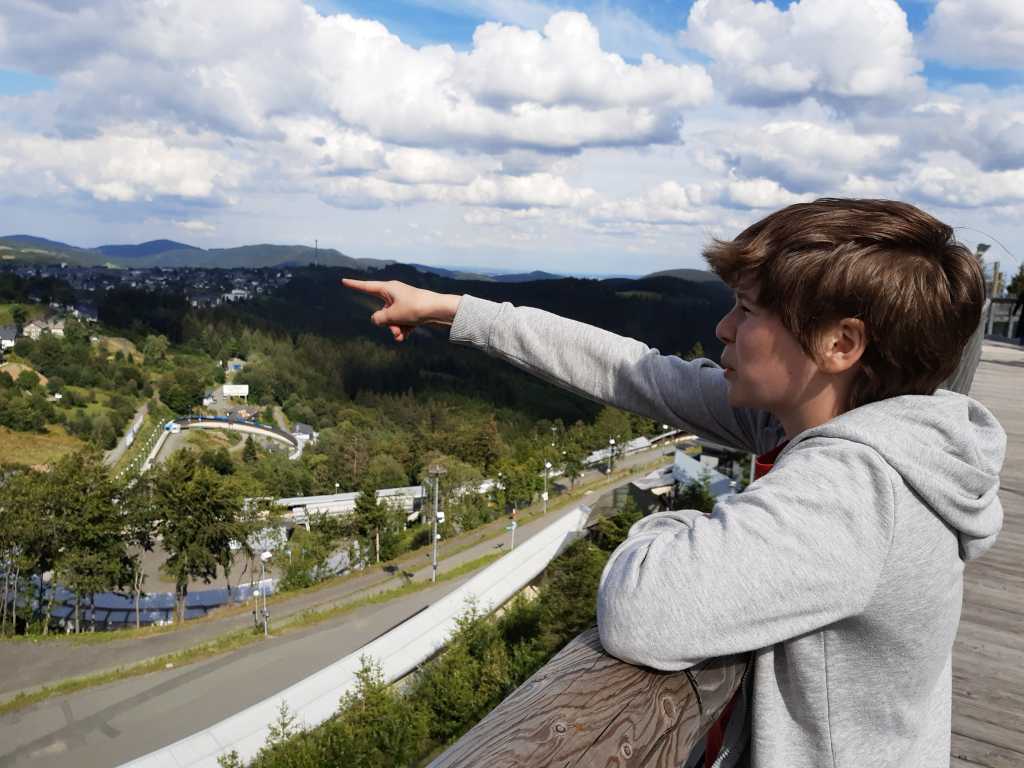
pixel 302 508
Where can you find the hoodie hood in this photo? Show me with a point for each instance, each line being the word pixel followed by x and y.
pixel 949 450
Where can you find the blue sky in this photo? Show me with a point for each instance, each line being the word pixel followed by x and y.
pixel 570 136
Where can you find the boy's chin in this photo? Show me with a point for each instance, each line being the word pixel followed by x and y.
pixel 737 399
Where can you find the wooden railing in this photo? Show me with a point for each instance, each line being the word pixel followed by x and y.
pixel 586 708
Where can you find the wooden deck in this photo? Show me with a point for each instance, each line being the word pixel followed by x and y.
pixel 988 658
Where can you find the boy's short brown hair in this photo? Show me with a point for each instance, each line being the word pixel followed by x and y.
pixel 901 271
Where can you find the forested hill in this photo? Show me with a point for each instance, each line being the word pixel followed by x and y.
pixel 664 312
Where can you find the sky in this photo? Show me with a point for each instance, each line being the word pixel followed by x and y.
pixel 581 138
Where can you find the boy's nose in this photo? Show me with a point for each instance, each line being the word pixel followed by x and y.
pixel 724 330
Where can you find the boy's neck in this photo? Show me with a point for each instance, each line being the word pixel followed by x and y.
pixel 822 403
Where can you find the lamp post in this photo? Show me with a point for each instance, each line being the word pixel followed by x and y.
pixel 544 496
pixel 611 455
pixel 435 471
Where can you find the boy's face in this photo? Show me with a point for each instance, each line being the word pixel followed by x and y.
pixel 764 363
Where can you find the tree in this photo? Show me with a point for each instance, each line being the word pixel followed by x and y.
pixel 568 600
pixel 468 679
pixel 377 727
pixel 77 527
pixel 573 462
pixel 20 316
pixel 27 380
pixel 199 515
pixel 696 351
pixel 613 423
pixel 611 531
pixel 139 528
pixel 218 460
pixel 1016 287
pixel 155 348
pixel 249 452
pixel 696 494
pixel 370 517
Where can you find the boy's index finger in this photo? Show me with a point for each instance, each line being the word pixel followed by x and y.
pixel 373 287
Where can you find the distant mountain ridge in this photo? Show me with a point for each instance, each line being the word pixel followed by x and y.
pixel 170 253
pixel 142 250
pixel 174 254
pixel 693 275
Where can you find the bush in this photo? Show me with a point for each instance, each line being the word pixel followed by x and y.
pixel 376 727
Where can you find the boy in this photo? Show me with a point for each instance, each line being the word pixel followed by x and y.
pixel 841 567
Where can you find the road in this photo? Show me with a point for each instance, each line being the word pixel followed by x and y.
pixel 110 724
pixel 114 455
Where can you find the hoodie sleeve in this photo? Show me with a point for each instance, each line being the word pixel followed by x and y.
pixel 802 548
pixel 614 370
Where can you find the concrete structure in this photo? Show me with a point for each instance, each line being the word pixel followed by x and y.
pixel 236 390
pixel 303 508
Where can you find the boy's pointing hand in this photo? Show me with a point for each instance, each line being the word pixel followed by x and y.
pixel 405 306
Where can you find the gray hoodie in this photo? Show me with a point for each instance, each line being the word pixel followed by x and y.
pixel 841 569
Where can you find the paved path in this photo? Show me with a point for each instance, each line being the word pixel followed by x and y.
pixel 988 657
pixel 117 722
pixel 114 455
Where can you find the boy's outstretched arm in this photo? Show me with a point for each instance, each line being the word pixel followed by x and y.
pixel 615 370
pixel 601 365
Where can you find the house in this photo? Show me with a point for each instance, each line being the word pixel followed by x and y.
pixel 236 294
pixel 305 433
pixel 37 328
pixel 8 335
pixel 34 329
pixel 235 364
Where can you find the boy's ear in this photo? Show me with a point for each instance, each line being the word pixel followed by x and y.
pixel 844 344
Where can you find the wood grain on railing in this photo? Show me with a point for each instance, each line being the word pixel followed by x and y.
pixel 586 708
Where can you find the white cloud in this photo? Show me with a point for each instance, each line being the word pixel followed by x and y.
pixel 949 180
pixel 122 167
pixel 237 67
pixel 411 165
pixel 831 49
pixel 196 225
pixel 759 193
pixel 667 203
pixel 538 190
pixel 803 154
pixel 566 65
pixel 976 33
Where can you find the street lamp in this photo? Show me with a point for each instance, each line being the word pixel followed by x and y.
pixel 544 496
pixel 611 455
pixel 435 471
